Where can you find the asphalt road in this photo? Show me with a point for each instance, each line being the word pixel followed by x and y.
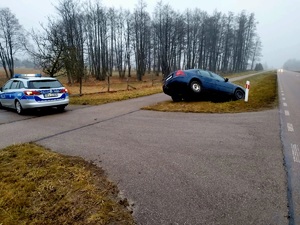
pixel 176 168
pixel 289 92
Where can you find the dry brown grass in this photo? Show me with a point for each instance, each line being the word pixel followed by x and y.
pixel 38 186
pixel 107 97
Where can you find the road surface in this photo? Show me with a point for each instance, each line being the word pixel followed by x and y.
pixel 289 92
pixel 176 168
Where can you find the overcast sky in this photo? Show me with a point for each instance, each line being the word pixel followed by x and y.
pixel 278 28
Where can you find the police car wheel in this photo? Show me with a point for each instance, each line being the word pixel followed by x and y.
pixel 19 108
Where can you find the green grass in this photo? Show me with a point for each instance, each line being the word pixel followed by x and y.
pixel 38 186
pixel 262 95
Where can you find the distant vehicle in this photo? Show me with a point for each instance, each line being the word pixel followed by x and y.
pixel 186 84
pixel 29 91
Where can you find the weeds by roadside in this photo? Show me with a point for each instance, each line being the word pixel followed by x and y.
pixel 38 186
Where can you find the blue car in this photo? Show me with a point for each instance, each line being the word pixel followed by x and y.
pixel 187 84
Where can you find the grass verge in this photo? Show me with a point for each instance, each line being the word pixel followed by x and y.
pixel 38 186
pixel 262 95
pixel 107 97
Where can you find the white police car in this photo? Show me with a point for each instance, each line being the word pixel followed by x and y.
pixel 28 91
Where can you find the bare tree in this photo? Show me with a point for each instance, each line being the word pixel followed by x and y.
pixel 141 24
pixel 164 30
pixel 100 40
pixel 97 40
pixel 72 24
pixel 120 40
pixel 47 51
pixel 256 52
pixel 11 37
pixel 128 42
pixel 227 42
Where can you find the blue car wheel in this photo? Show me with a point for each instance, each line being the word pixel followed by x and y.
pixel 196 86
pixel 239 94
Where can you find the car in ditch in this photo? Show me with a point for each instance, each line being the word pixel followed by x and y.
pixel 193 83
pixel 32 91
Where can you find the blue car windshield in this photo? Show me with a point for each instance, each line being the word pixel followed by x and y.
pixel 42 84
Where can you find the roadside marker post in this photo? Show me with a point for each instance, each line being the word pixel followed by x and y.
pixel 247 90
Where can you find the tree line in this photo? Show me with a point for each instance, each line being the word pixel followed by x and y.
pixel 292 65
pixel 86 38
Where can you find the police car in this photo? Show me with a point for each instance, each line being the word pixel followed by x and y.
pixel 29 91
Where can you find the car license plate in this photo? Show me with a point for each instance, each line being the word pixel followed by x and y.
pixel 51 95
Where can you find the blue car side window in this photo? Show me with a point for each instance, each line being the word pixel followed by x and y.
pixel 205 73
pixel 217 77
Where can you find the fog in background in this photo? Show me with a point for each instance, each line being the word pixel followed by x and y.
pixel 278 25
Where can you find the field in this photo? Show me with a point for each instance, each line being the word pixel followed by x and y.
pixel 91 85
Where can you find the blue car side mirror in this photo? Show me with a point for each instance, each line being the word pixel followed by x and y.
pixel 226 79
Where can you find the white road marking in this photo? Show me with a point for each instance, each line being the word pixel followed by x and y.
pixel 284 104
pixel 296 153
pixel 283 99
pixel 282 94
pixel 286 112
pixel 290 127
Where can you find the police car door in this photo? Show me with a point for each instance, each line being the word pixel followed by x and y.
pixel 4 94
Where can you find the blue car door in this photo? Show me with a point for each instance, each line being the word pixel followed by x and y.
pixel 208 82
pixel 222 85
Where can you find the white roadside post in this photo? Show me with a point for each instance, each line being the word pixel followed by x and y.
pixel 247 90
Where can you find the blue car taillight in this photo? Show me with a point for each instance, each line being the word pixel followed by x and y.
pixel 180 73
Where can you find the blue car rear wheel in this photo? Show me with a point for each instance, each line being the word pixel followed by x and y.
pixel 196 86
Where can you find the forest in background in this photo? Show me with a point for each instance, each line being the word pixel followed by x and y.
pixel 85 38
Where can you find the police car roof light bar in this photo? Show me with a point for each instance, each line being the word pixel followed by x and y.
pixel 27 75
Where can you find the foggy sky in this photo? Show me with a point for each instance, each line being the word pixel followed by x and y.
pixel 278 27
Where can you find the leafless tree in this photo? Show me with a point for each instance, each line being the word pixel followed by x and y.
pixel 256 52
pixel 97 40
pixel 72 23
pixel 47 49
pixel 11 37
pixel 141 24
pixel 100 40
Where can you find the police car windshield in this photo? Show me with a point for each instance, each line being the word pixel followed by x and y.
pixel 43 84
